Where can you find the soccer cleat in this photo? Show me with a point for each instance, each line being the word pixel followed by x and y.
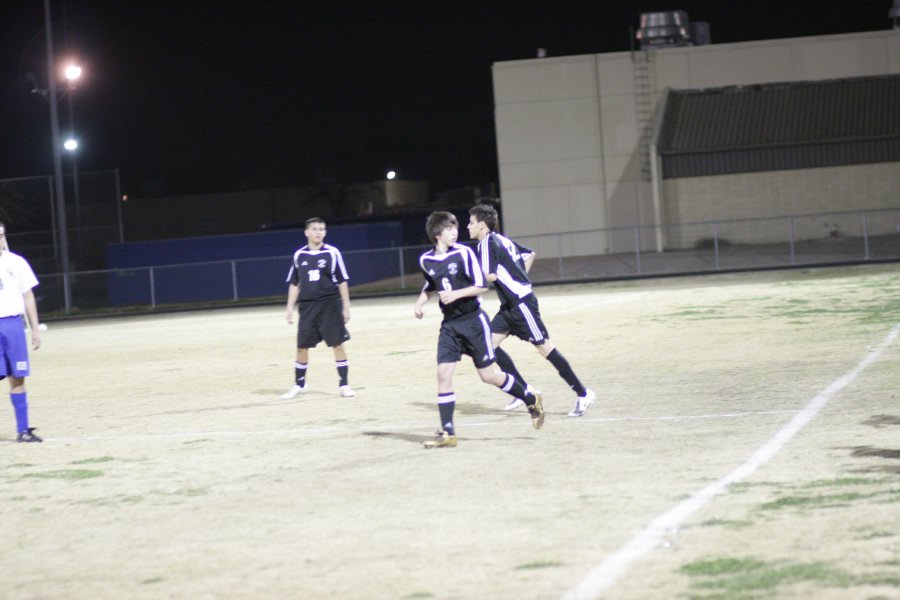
pixel 443 440
pixel 537 410
pixel 294 391
pixel 29 436
pixel 582 403
pixel 517 402
pixel 514 404
pixel 346 391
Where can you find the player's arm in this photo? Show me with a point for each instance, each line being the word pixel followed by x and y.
pixel 32 314
pixel 293 293
pixel 344 291
pixel 529 260
pixel 419 308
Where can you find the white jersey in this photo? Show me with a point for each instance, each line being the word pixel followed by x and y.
pixel 16 278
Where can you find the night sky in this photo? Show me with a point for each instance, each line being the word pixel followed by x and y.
pixel 199 96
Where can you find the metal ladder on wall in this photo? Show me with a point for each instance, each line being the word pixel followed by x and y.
pixel 643 104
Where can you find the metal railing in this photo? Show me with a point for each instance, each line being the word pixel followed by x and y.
pixel 611 253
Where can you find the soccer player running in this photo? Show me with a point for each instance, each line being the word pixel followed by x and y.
pixel 451 271
pixel 17 298
pixel 318 279
pixel 506 264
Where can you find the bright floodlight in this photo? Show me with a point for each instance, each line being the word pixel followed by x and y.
pixel 71 144
pixel 73 72
pixel 391 174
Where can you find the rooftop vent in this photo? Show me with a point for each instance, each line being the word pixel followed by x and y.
pixel 672 28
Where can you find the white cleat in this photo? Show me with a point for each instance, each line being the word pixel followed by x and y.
pixel 517 402
pixel 294 392
pixel 346 391
pixel 581 405
pixel 514 404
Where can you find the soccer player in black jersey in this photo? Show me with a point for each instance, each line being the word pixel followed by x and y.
pixel 451 271
pixel 318 279
pixel 506 264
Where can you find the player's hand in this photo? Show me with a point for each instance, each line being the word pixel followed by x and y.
pixel 447 296
pixel 346 315
pixel 35 339
pixel 419 311
pixel 290 316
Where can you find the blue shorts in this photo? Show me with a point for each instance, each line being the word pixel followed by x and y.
pixel 13 348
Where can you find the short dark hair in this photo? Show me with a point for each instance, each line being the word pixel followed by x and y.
pixel 485 213
pixel 438 221
pixel 312 220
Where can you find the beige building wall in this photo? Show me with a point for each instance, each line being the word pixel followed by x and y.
pixel 568 132
pixel 782 194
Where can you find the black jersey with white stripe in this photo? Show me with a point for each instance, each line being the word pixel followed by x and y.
pixel 317 272
pixel 455 269
pixel 505 258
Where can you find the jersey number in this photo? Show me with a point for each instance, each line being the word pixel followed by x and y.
pixel 313 274
pixel 446 283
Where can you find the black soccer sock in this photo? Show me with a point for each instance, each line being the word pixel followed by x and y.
pixel 565 371
pixel 300 373
pixel 514 388
pixel 506 364
pixel 446 404
pixel 342 369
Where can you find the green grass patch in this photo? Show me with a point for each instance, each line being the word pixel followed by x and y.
pixel 190 492
pixel 152 580
pixel 843 481
pixel 419 595
pixel 70 474
pixel 19 465
pixel 823 500
pixel 733 578
pixel 542 564
pixel 730 523
pixel 87 461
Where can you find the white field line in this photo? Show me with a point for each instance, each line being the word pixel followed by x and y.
pixel 297 431
pixel 605 574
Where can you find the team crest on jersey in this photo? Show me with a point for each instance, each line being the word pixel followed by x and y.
pixel 452 268
pixel 321 263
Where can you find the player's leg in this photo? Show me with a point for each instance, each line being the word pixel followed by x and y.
pixel 586 397
pixel 14 365
pixel 500 328
pixel 343 370
pixel 301 361
pixel 446 401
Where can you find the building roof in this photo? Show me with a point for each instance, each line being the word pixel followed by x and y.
pixel 781 126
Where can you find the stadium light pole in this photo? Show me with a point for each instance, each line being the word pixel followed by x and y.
pixel 73 73
pixel 57 162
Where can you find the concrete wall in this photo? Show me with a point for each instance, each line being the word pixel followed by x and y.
pixel 781 194
pixel 568 127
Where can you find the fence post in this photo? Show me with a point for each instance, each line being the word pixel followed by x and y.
pixel 791 237
pixel 234 285
pixel 562 270
pixel 152 289
pixel 637 249
pixel 865 220
pixel 402 268
pixel 716 243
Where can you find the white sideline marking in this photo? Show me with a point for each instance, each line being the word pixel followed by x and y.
pixel 319 430
pixel 604 575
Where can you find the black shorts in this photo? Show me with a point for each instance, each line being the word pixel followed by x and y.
pixel 467 334
pixel 322 320
pixel 522 320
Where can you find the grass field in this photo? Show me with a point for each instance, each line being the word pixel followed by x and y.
pixel 746 444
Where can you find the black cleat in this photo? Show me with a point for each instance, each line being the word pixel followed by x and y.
pixel 29 436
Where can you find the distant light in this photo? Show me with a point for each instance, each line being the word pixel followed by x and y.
pixel 71 144
pixel 124 197
pixel 391 174
pixel 72 72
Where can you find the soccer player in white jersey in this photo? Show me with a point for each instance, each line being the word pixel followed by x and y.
pixel 318 280
pixel 451 271
pixel 17 299
pixel 506 264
